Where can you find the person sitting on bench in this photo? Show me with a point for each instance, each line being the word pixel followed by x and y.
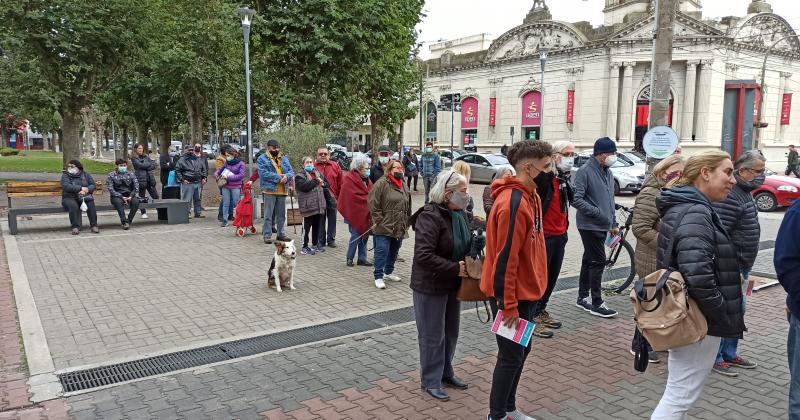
pixel 77 187
pixel 122 187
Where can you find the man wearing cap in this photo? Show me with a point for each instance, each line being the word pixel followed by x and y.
pixel 596 218
pixel 275 173
pixel 431 165
pixel 384 154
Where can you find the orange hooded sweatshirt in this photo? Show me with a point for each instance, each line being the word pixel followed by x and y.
pixel 515 267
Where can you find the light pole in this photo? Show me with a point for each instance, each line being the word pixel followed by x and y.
pixel 763 89
pixel 246 14
pixel 542 62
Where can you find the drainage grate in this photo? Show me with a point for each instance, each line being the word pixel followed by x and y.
pixel 82 380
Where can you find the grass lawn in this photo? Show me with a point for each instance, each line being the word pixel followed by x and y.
pixel 42 161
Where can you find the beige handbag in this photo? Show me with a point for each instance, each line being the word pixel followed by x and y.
pixel 470 289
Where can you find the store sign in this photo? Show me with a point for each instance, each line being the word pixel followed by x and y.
pixel 786 108
pixel 469 113
pixel 531 109
pixel 492 112
pixel 570 106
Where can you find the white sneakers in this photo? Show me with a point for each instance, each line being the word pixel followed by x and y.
pixel 518 415
pixel 392 277
pixel 380 284
pixel 145 216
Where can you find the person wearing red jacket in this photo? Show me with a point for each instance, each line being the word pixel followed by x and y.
pixel 353 194
pixel 333 173
pixel 515 269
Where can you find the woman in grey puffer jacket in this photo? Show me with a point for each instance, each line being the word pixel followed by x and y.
pixel 706 258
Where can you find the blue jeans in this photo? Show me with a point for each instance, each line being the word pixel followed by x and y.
pixel 219 213
pixel 274 204
pixel 230 198
pixel 357 243
pixel 386 249
pixel 793 349
pixel 728 346
pixel 191 192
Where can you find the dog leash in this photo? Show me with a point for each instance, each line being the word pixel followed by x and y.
pixel 362 235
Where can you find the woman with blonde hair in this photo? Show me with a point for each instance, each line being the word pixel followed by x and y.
pixel 462 168
pixel 389 204
pixel 693 241
pixel 646 221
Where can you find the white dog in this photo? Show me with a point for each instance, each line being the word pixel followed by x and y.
pixel 282 267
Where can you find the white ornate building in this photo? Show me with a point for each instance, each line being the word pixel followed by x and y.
pixel 597 82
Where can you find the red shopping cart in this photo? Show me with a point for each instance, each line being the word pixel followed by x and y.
pixel 244 213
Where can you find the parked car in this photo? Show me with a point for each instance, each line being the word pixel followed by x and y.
pixel 484 167
pixel 209 152
pixel 448 156
pixel 332 147
pixel 343 157
pixel 627 176
pixel 632 158
pixel 776 191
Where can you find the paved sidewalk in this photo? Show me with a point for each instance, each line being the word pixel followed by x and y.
pixel 585 372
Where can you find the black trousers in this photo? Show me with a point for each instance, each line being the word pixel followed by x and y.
pixel 73 207
pixel 592 264
pixel 416 178
pixel 150 189
pixel 327 232
pixel 508 370
pixel 555 246
pixel 119 205
pixel 312 224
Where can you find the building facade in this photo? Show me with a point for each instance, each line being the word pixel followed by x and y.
pixel 597 82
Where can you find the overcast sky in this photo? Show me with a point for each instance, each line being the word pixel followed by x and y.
pixel 451 19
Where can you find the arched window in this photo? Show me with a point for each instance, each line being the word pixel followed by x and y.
pixel 643 115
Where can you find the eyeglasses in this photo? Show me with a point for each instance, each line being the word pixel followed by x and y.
pixel 567 154
pixel 322 154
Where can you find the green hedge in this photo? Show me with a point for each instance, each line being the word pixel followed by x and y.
pixel 5 151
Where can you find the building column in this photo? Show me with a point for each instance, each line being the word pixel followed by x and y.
pixel 613 100
pixel 703 100
pixel 687 123
pixel 626 111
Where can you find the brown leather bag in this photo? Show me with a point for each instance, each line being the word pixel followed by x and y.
pixel 470 290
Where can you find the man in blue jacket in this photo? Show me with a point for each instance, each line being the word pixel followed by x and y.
pixel 787 267
pixel 431 165
pixel 596 218
pixel 275 174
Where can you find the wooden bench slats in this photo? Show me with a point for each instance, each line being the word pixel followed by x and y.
pixel 40 189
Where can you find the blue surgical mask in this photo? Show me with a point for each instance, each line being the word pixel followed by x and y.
pixel 428 150
pixel 122 169
pixel 309 168
pixel 173 154
pixel 366 173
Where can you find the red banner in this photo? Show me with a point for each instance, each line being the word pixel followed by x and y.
pixel 570 106
pixel 531 109
pixel 786 108
pixel 469 113
pixel 492 112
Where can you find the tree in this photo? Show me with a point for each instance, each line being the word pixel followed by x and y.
pixel 80 46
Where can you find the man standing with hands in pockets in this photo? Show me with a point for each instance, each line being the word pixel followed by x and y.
pixel 515 269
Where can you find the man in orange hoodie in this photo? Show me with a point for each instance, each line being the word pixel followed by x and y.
pixel 515 269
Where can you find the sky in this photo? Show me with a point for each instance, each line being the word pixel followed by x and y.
pixel 451 19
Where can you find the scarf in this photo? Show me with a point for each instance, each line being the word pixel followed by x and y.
pixel 461 236
pixel 396 181
pixel 233 162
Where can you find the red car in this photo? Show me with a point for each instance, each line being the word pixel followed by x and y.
pixel 777 191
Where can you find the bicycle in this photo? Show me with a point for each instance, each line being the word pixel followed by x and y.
pixel 621 253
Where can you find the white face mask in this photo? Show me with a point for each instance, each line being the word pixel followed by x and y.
pixel 610 161
pixel 383 160
pixel 73 171
pixel 566 164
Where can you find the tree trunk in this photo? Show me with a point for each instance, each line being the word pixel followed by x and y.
pixel 141 135
pixel 400 140
pixel 196 104
pixel 166 139
pixel 3 142
pixel 124 141
pixel 57 141
pixel 376 143
pixel 98 139
pixel 70 141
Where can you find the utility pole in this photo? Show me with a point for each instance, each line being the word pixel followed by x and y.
pixel 660 68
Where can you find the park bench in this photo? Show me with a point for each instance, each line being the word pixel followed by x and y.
pixel 177 210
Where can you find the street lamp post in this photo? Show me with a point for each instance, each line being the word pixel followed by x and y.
pixel 246 14
pixel 542 62
pixel 757 145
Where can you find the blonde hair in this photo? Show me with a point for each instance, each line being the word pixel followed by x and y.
pixel 661 167
pixel 695 164
pixel 462 168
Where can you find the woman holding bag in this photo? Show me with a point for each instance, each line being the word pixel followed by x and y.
pixel 77 188
pixel 443 240
pixel 706 258
pixel 234 173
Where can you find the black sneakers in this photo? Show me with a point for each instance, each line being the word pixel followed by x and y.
pixel 602 310
pixel 584 304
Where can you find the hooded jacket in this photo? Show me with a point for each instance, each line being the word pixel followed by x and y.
pixel 646 221
pixel 515 267
pixel 594 197
pixel 390 208
pixel 143 167
pixel 71 185
pixel 705 256
pixel 739 215
pixel 353 201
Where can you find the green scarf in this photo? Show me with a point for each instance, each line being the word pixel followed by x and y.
pixel 461 236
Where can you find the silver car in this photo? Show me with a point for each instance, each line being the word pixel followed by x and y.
pixel 627 176
pixel 484 167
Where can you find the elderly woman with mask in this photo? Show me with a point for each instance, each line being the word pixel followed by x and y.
pixel 443 240
pixel 353 207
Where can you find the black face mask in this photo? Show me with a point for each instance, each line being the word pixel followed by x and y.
pixel 398 176
pixel 274 152
pixel 197 150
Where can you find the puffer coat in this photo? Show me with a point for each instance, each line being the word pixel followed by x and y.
pixel 390 208
pixel 71 185
pixel 739 215
pixel 310 195
pixel 646 222
pixel 704 254
pixel 143 167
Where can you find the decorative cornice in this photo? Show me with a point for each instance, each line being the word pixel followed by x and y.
pixel 692 63
pixel 614 65
pixel 786 75
pixel 531 84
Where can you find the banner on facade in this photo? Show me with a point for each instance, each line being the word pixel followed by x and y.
pixel 469 113
pixel 492 112
pixel 531 109
pixel 786 108
pixel 570 106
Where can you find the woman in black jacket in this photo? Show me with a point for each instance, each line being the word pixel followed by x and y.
pixel 442 241
pixel 77 188
pixel 704 254
pixel 167 164
pixel 144 167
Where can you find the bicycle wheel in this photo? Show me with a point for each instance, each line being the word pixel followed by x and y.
pixel 619 266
